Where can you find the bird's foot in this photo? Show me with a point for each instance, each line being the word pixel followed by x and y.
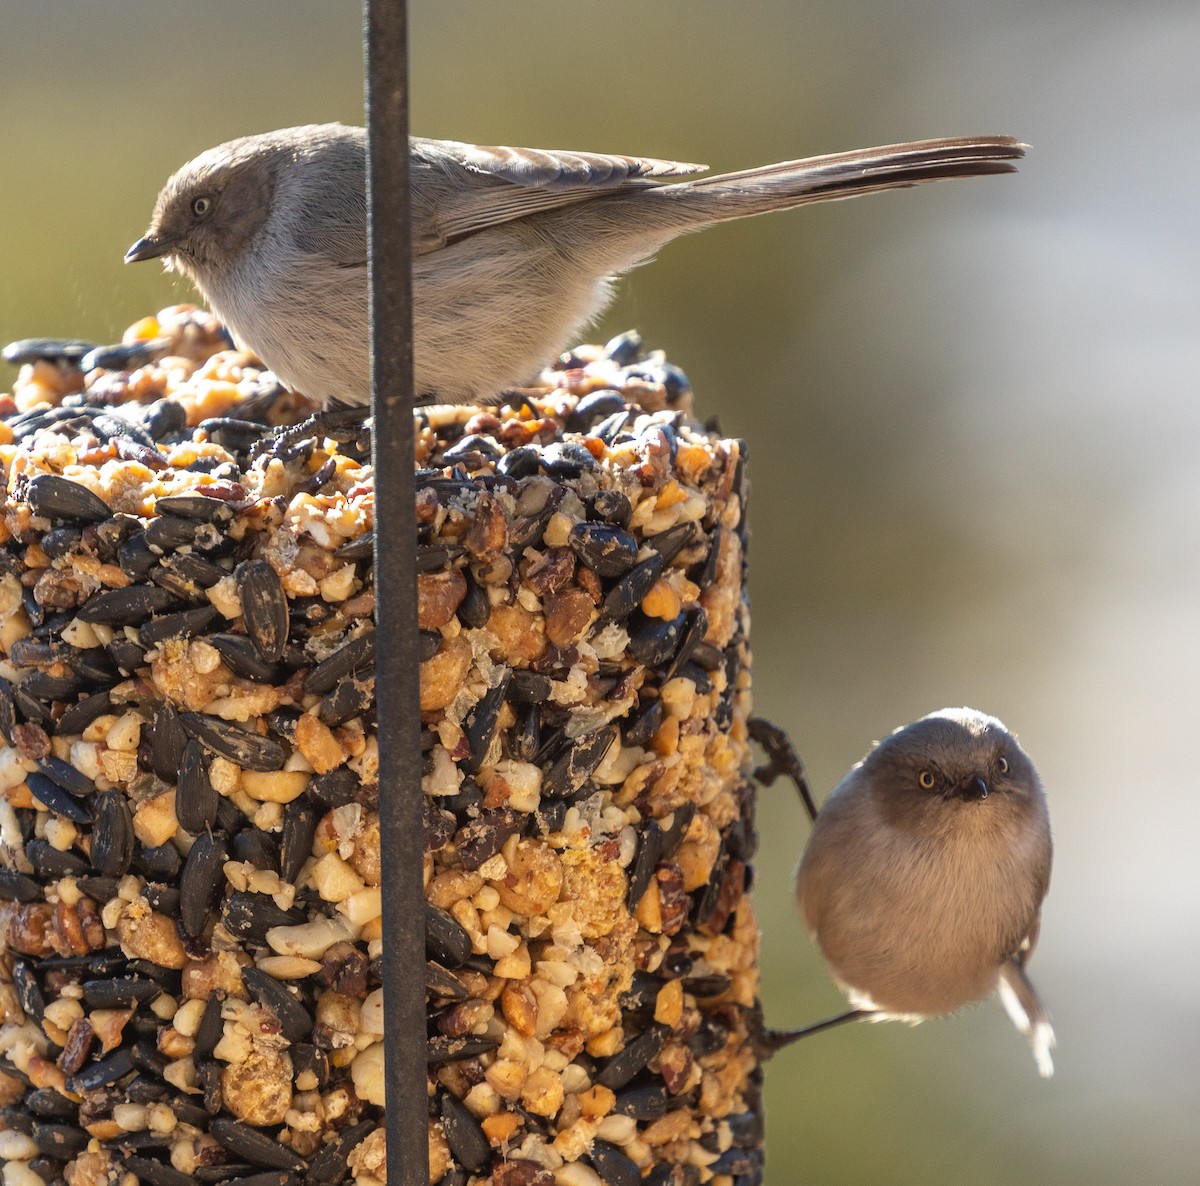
pixel 782 759
pixel 768 1042
pixel 342 424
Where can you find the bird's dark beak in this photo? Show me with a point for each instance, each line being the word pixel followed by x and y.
pixel 975 790
pixel 149 247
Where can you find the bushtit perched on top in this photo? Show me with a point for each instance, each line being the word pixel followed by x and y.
pixel 514 248
pixel 923 879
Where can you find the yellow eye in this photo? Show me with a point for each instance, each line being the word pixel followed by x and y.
pixel 926 780
pixel 201 206
pixel 1002 765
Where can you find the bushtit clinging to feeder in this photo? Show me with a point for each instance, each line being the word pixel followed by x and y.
pixel 923 879
pixel 514 248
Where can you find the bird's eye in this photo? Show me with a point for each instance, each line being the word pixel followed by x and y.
pixel 201 206
pixel 1002 765
pixel 926 779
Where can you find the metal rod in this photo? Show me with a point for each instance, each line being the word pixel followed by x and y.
pixel 397 665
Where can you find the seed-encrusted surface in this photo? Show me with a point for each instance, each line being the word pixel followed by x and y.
pixel 189 837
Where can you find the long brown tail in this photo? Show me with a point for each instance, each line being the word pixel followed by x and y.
pixel 1028 1014
pixel 840 175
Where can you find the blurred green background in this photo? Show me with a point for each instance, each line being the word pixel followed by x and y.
pixel 973 421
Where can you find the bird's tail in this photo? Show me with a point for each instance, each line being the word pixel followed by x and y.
pixel 1029 1015
pixel 826 178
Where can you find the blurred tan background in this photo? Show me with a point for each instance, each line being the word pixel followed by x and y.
pixel 973 421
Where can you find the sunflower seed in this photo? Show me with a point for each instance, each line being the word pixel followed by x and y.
pixel 125 607
pixel 201 880
pixel 54 798
pixel 570 772
pixel 643 1103
pixel 594 408
pixel 673 836
pixel 61 1141
pixel 644 863
pixel 607 551
pixel 163 899
pixel 156 1173
pixel 112 835
pixel 250 916
pixel 652 641
pixel 184 624
pixel 628 593
pixel 441 982
pixel 329 1165
pixel 45 1101
pixel 613 1166
pixel 295 844
pixel 196 799
pixel 346 660
pixel 99 889
pixel 464 1134
pixel 335 789
pixel 613 508
pixel 255 847
pixel 357 549
pixel 126 654
pixel 294 1019
pixel 55 497
pixel 29 991
pixel 195 506
pixel 351 698
pixel 249 750
pixel 693 636
pixel 100 1074
pixel 16 887
pixel 256 1147
pixel 627 1063
pixel 119 992
pixel 78 715
pixel 264 607
pixel 8 714
pixel 446 940
pixel 60 350
pixel 161 863
pixel 440 1050
pixel 242 657
pixel 566 459
pixel 481 722
pixel 208 1032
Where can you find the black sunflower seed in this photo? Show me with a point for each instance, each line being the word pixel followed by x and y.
pixel 643 727
pixel 8 713
pixel 100 1074
pixel 693 635
pixel 476 606
pixel 521 462
pixel 613 507
pixel 607 551
pixel 652 641
pixel 208 1032
pixel 125 607
pixel 166 533
pixel 167 742
pixel 119 991
pixel 628 593
pixel 668 544
pixel 431 556
pixel 135 558
pixel 357 549
pixel 593 408
pixel 480 839
pixel 99 889
pixel 673 836
pixel 254 847
pixel 307 1057
pixel 184 624
pixel 268 1177
pixel 250 751
pixel 126 654
pixel 643 1103
pixel 710 985
pixel 627 1063
pixel 294 1019
pixel 164 899
pixel 256 1147
pixel 482 720
pixel 61 1141
pixel 195 506
pixel 112 835
pixel 441 982
pixel 226 1171
pixel 334 789
pixel 250 916
pixel 351 698
pixel 45 1101
pixel 526 738
pixel 464 1134
pixel 242 657
pixel 161 863
pixel 201 880
pixel 54 798
pixel 80 714
pixel 613 1166
pixel 609 429
pixel 300 818
pixel 329 1165
pixel 29 991
pixel 61 350
pixel 196 799
pixel 16 887
pixel 440 1050
pixel 346 660
pixel 59 498
pixel 645 861
pixel 566 459
pixel 264 607
pixel 529 687
pixel 156 1173
pixel 446 940
pixel 571 771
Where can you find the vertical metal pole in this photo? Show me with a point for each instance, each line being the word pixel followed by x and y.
pixel 397 666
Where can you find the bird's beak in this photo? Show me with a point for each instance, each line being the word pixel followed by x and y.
pixel 149 247
pixel 975 790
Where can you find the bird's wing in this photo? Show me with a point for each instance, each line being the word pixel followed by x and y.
pixel 485 185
